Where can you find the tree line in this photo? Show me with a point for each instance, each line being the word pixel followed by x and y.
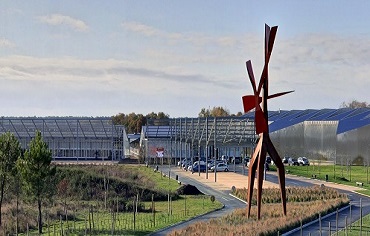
pixel 26 171
pixel 133 122
pixel 355 104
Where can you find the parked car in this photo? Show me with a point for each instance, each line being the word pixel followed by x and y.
pixel 246 160
pixel 201 162
pixel 236 160
pixel 201 168
pixel 220 167
pixel 303 161
pixel 180 163
pixel 212 163
pixel 285 160
pixel 186 165
pixel 292 161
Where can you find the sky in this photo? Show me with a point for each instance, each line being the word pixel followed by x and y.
pixel 101 58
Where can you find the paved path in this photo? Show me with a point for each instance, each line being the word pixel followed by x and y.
pixel 221 180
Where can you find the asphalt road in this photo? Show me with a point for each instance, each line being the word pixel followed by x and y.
pixel 359 205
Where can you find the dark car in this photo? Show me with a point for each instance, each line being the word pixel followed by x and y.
pixel 236 160
pixel 285 160
pixel 201 168
pixel 293 161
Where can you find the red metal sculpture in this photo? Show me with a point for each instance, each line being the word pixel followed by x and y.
pixel 264 144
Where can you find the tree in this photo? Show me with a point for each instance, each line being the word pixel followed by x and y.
pixel 355 104
pixel 133 122
pixel 36 173
pixel 214 112
pixel 10 150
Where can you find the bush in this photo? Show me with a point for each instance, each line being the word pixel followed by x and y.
pixel 87 185
pixel 130 206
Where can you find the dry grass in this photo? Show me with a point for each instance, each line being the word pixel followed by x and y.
pixel 293 194
pixel 272 218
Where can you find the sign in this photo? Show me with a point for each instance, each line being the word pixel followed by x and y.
pixel 160 152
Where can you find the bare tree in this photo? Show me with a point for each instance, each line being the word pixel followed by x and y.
pixel 355 104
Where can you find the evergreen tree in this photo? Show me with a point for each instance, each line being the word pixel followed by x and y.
pixel 10 150
pixel 36 173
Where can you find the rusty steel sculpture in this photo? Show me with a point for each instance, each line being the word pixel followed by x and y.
pixel 264 145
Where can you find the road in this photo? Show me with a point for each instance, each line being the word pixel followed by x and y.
pixel 350 214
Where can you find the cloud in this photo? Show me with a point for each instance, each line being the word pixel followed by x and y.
pixel 4 43
pixel 58 19
pixel 64 85
pixel 199 39
pixel 141 28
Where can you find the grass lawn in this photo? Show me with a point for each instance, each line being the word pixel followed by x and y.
pixel 347 175
pixel 166 183
pixel 104 222
pixel 355 229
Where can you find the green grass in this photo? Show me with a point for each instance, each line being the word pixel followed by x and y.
pixel 347 175
pixel 162 182
pixel 354 229
pixel 145 223
pixel 105 223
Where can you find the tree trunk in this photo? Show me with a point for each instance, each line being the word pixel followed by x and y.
pixel 39 216
pixel 1 197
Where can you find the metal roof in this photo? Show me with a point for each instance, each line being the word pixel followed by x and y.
pixel 226 130
pixel 348 118
pixel 61 127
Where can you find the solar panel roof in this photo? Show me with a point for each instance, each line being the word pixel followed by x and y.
pixel 348 118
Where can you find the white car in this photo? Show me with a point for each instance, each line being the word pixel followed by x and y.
pixel 212 163
pixel 220 167
pixel 303 161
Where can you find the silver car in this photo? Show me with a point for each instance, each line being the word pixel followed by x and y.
pixel 220 167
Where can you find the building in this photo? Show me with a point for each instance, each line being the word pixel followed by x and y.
pixel 339 135
pixel 179 138
pixel 72 138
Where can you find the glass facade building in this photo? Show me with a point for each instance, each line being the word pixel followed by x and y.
pixel 71 138
pixel 339 135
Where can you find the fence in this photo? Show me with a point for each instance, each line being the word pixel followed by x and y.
pixel 339 223
pixel 111 222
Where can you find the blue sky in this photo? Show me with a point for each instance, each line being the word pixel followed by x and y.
pixel 101 58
